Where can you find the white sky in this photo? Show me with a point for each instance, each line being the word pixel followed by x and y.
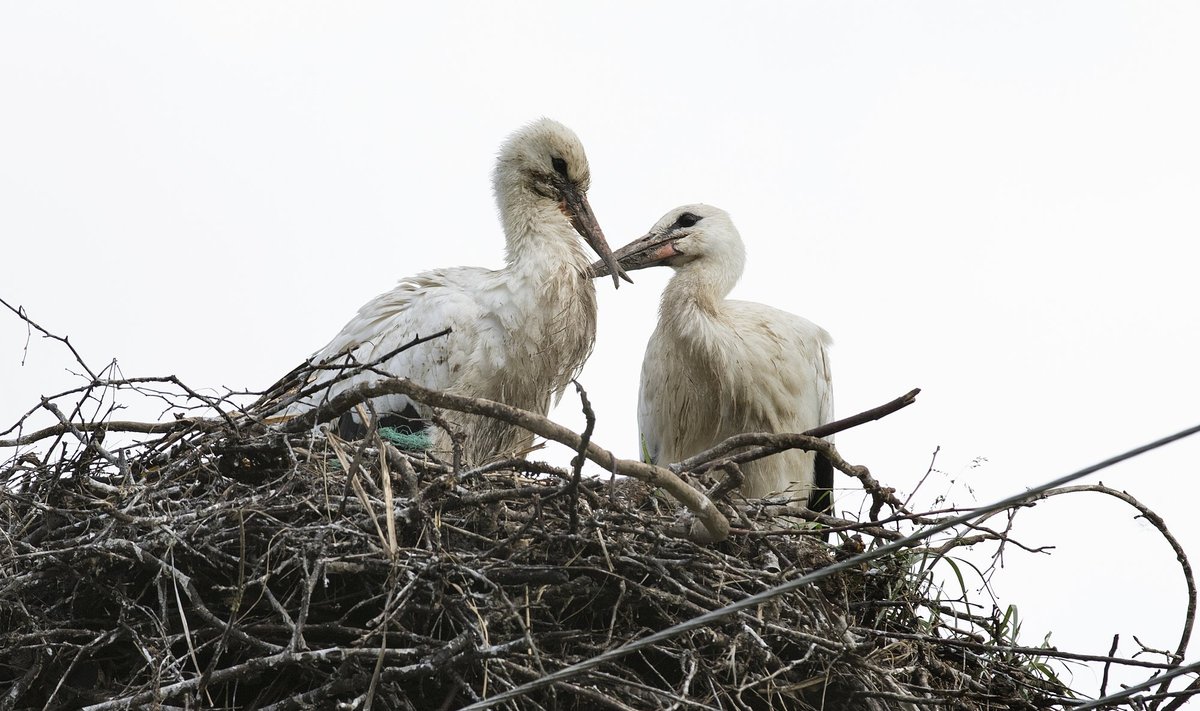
pixel 996 202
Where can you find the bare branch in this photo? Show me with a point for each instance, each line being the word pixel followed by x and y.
pixel 716 526
pixel 65 340
pixel 110 426
pixel 745 440
pixel 577 462
pixel 1157 521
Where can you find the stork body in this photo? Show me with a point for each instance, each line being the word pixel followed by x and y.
pixel 716 367
pixel 518 334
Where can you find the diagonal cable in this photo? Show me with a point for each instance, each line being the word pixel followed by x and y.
pixel 1129 691
pixel 759 598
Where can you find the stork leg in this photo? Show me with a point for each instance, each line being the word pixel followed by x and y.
pixel 820 499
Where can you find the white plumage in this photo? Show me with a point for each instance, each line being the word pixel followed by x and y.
pixel 716 367
pixel 520 333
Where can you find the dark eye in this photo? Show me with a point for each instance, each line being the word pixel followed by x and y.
pixel 687 219
pixel 560 166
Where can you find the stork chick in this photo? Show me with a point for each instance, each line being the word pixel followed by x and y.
pixel 520 333
pixel 715 367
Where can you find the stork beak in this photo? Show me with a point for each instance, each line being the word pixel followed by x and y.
pixel 649 251
pixel 576 206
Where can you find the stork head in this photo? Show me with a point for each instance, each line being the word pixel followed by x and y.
pixel 544 161
pixel 689 235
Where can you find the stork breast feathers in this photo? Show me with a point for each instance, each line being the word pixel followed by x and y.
pixel 716 367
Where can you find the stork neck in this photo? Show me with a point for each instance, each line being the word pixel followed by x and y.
pixel 540 243
pixel 705 282
pixel 696 295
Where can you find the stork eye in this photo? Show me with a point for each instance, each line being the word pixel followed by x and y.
pixel 560 166
pixel 687 219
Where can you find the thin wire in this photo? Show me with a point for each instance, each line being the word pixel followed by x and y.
pixel 1144 686
pixel 759 598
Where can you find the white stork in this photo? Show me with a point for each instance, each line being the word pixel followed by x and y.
pixel 520 333
pixel 715 367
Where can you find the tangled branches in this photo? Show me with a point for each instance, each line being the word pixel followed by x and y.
pixel 222 560
pixel 259 575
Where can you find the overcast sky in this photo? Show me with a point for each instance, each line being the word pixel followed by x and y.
pixel 996 202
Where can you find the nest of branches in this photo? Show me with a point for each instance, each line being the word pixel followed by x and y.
pixel 233 560
pixel 225 563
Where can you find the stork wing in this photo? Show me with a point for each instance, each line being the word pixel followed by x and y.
pixel 419 306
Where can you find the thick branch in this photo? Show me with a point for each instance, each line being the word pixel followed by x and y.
pixel 746 440
pixel 765 444
pixel 112 426
pixel 716 527
pixel 774 443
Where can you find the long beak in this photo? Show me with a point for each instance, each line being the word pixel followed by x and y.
pixel 648 251
pixel 576 206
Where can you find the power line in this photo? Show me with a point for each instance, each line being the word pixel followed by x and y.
pixel 1131 690
pixel 759 598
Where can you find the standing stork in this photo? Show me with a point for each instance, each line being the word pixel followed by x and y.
pixel 715 367
pixel 518 334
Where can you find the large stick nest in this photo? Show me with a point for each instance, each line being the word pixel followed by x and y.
pixel 242 568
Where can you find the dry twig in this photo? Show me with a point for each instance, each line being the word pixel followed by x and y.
pixel 212 562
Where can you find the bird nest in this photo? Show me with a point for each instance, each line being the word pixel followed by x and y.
pixel 227 564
